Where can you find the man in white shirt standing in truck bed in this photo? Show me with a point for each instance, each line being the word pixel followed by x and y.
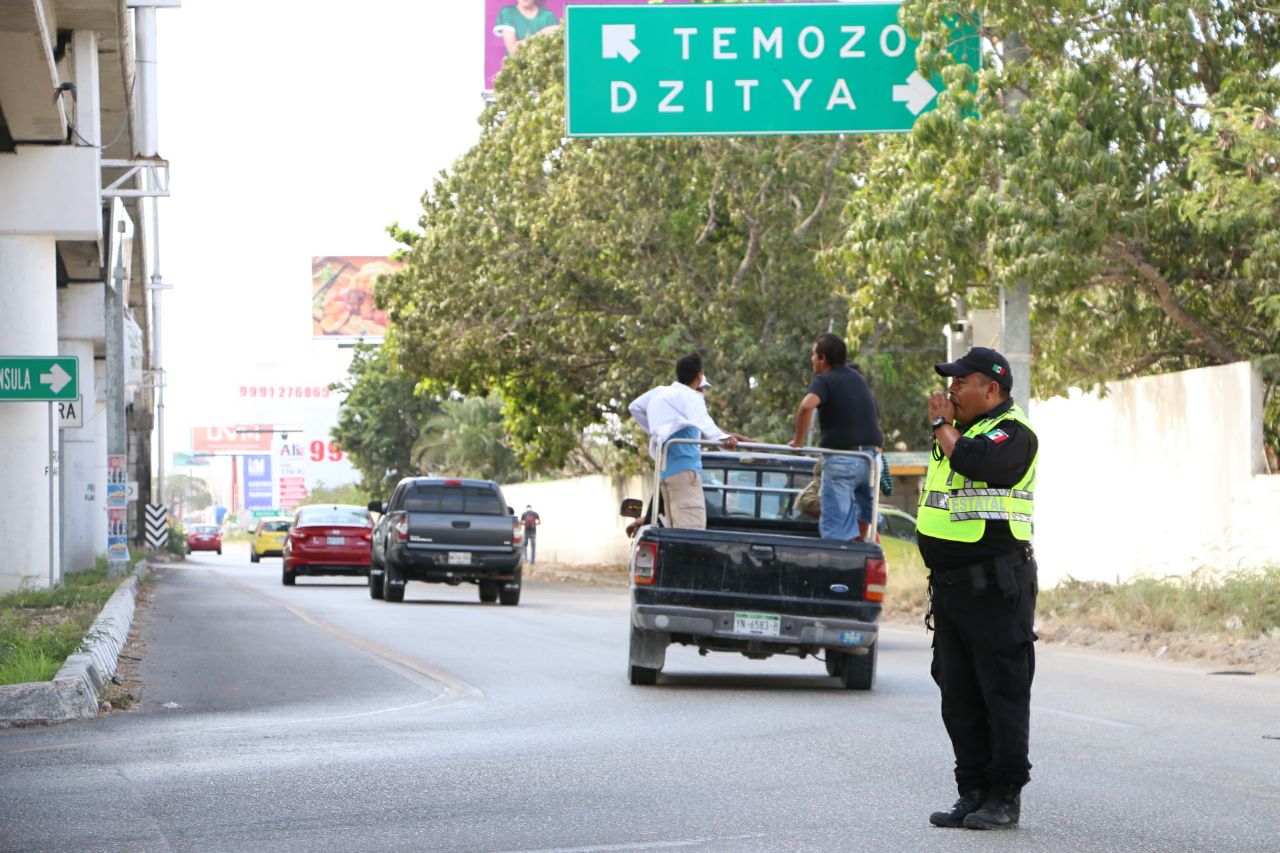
pixel 678 410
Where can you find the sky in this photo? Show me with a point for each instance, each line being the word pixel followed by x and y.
pixel 293 128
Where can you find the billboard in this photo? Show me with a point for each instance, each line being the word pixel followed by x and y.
pixel 342 296
pixel 245 438
pixel 257 482
pixel 509 22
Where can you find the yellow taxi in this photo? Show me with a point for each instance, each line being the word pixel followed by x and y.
pixel 268 537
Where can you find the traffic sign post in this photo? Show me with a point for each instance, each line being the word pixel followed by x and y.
pixel 27 378
pixel 745 70
pixel 42 379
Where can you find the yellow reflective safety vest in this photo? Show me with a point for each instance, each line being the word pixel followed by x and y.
pixel 957 509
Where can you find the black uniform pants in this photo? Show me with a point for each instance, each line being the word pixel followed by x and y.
pixel 983 662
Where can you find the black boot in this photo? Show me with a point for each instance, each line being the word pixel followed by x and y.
pixel 1000 809
pixel 968 803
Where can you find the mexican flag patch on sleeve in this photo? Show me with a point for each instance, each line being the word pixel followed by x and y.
pixel 997 435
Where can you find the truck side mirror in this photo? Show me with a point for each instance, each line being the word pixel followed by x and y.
pixel 375 506
pixel 631 508
pixel 510 511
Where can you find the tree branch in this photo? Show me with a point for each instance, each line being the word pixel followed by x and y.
pixel 1164 295
pixel 827 184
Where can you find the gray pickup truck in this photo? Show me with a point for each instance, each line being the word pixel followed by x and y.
pixel 758 581
pixel 447 530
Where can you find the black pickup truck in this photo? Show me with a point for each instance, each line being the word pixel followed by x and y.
pixel 758 580
pixel 447 530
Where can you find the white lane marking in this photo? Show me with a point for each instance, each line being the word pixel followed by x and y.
pixel 637 845
pixel 1102 721
pixel 455 689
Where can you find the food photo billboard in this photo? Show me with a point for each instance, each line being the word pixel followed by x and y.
pixel 342 296
pixel 509 22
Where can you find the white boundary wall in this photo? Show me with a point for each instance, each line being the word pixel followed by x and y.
pixel 1162 476
pixel 580 521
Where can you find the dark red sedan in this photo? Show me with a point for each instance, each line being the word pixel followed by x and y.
pixel 328 540
pixel 204 537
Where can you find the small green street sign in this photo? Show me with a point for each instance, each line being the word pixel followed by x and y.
pixel 752 69
pixel 39 378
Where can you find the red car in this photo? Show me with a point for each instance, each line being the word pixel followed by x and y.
pixel 328 540
pixel 204 537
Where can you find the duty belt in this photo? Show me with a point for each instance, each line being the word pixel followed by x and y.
pixel 983 573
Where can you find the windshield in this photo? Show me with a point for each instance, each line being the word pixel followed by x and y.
pixel 275 526
pixel 349 516
pixel 205 528
pixel 474 500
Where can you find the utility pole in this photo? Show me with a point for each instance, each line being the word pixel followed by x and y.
pixel 1015 297
pixel 117 439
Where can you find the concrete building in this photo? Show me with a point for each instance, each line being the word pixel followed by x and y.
pixel 78 270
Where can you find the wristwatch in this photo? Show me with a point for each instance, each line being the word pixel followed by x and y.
pixel 937 422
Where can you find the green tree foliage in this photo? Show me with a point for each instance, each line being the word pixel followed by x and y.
pixel 466 439
pixel 191 492
pixel 568 275
pixel 1120 157
pixel 381 419
pixel 349 494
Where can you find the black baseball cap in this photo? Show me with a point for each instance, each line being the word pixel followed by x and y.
pixel 979 360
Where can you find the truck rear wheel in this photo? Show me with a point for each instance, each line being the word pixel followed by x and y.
pixel 375 584
pixel 509 592
pixel 392 592
pixel 856 672
pixel 488 592
pixel 647 649
pixel 642 675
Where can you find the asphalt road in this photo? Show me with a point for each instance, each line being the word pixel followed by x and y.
pixel 312 717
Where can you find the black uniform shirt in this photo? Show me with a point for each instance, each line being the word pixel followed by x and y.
pixel 1000 458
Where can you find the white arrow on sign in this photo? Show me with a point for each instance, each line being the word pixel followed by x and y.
pixel 56 378
pixel 916 94
pixel 618 40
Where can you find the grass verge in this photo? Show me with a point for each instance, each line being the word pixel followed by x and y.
pixel 39 628
pixel 1239 605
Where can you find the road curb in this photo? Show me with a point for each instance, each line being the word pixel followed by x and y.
pixel 73 692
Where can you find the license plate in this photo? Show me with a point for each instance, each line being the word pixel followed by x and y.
pixel 757 624
pixel 459 558
pixel 336 540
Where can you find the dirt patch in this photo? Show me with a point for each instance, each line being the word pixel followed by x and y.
pixel 124 691
pixel 596 574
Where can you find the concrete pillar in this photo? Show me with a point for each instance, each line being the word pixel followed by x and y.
pixel 82 520
pixel 28 326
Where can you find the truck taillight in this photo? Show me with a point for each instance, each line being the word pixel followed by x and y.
pixel 877 575
pixel 644 564
pixel 401 527
pixel 517 531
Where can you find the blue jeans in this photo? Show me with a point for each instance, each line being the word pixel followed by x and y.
pixel 530 546
pixel 846 496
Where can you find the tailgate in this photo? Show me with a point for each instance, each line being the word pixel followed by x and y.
pixel 730 570
pixel 471 532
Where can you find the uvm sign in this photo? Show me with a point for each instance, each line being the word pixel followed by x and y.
pixel 744 70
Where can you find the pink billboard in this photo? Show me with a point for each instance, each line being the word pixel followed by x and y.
pixel 509 22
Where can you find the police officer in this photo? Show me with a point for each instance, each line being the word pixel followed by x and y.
pixel 974 532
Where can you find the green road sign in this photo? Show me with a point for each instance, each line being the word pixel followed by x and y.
pixel 745 69
pixel 34 377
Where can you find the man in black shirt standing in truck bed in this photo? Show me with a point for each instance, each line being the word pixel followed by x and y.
pixel 848 419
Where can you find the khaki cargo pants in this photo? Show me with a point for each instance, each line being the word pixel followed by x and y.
pixel 682 496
